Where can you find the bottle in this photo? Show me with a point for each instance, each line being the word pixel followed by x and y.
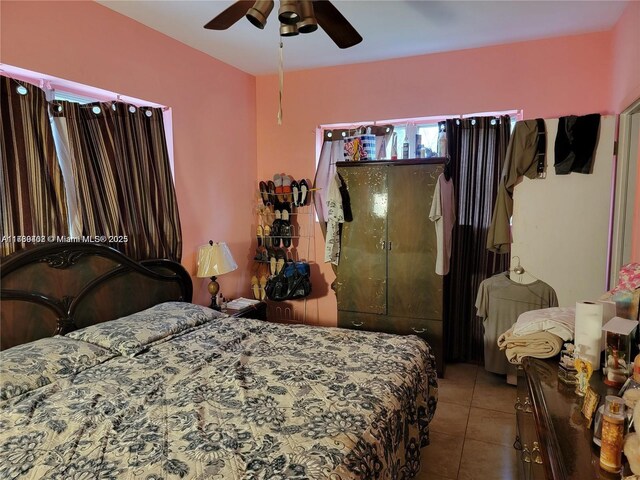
pixel 405 147
pixel 442 143
pixel 394 146
pixel 612 434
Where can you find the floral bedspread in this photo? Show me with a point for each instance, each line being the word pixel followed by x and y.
pixel 224 399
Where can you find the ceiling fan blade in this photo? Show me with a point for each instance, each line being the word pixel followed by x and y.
pixel 230 15
pixel 333 22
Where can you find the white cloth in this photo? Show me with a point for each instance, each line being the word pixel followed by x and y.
pixel 560 321
pixel 335 216
pixel 538 345
pixel 443 213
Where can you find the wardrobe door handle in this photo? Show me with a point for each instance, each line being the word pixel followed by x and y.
pixel 357 324
pixel 383 245
pixel 527 406
pixel 389 245
pixel 526 455
pixel 518 405
pixel 536 455
pixel 421 330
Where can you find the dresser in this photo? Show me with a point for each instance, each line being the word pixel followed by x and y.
pixel 386 278
pixel 552 438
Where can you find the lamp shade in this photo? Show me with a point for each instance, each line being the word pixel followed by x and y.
pixel 215 259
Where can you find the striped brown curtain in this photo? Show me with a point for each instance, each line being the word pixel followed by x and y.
pixel 123 177
pixel 477 147
pixel 32 195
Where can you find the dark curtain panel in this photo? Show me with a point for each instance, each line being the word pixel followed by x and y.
pixel 32 195
pixel 477 148
pixel 123 177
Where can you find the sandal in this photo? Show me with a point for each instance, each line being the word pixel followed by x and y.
pixel 277 181
pixel 255 287
pixel 260 235
pixel 295 189
pixel 271 189
pixel 264 193
pixel 276 233
pixel 304 189
pixel 267 236
pixel 286 233
pixel 263 287
pixel 286 188
pixel 281 258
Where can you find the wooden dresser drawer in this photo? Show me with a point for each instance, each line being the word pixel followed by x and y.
pixel 530 460
pixel 431 330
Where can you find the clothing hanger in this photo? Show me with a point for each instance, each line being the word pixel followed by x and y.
pixel 518 269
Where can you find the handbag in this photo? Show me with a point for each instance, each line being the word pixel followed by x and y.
pixel 293 281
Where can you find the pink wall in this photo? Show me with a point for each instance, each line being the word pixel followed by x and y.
pixel 626 58
pixel 547 78
pixel 626 86
pixel 215 153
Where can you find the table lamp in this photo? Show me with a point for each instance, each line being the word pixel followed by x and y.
pixel 214 259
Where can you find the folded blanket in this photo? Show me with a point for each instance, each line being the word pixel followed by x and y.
pixel 539 345
pixel 557 320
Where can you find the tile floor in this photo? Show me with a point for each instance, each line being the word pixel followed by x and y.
pixel 473 430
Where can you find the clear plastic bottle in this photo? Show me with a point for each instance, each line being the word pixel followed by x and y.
pixel 442 143
pixel 405 147
pixel 612 434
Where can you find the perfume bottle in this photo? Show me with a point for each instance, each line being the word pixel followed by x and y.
pixel 612 434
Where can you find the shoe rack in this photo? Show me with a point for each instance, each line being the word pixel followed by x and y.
pixel 301 234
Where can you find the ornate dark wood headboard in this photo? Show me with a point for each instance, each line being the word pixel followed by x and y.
pixel 59 287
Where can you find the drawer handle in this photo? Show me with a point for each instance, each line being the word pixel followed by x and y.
pixel 421 330
pixel 518 405
pixel 535 451
pixel 357 324
pixel 527 406
pixel 526 456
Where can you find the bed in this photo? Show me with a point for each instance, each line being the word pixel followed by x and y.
pixel 109 372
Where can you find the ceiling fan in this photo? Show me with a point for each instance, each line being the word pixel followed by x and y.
pixel 295 16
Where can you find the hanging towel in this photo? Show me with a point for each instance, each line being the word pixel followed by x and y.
pixel 443 214
pixel 575 143
pixel 539 345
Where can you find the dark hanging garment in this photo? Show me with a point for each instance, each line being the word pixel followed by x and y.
pixel 576 143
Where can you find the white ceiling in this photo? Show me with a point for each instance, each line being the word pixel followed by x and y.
pixel 390 29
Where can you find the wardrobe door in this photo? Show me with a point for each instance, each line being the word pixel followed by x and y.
pixel 414 289
pixel 362 272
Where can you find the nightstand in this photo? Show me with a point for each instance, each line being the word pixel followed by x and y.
pixel 257 311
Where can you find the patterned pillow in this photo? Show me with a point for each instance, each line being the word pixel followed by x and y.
pixel 36 364
pixel 132 334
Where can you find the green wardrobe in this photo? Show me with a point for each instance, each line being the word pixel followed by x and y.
pixel 386 278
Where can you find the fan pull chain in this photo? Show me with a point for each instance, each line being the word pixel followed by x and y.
pixel 281 79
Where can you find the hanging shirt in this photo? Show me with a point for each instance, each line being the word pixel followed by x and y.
pixel 520 160
pixel 443 213
pixel 335 216
pixel 575 143
pixel 500 302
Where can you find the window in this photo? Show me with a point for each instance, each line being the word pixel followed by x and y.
pixel 420 133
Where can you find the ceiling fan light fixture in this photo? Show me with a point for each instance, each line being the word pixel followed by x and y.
pixel 308 22
pixel 288 12
pixel 258 14
pixel 288 30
